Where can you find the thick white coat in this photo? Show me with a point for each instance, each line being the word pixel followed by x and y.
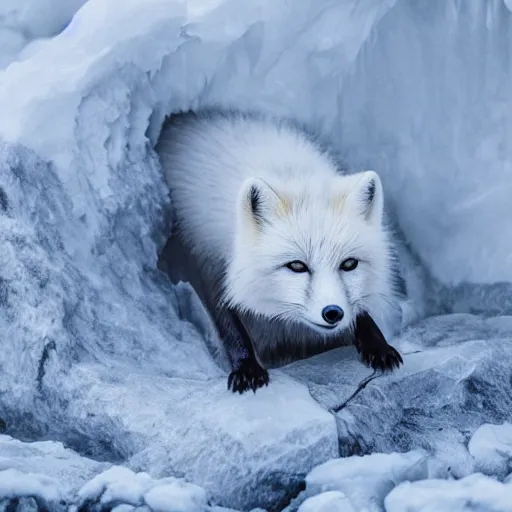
pixel 216 164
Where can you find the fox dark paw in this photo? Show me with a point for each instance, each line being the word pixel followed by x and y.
pixel 381 357
pixel 248 375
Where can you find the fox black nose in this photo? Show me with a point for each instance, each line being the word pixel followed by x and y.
pixel 332 314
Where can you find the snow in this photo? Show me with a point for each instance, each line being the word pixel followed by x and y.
pixel 491 447
pixel 365 481
pixel 44 472
pixel 184 497
pixel 116 484
pixel 102 353
pixel 14 483
pixel 330 501
pixel 120 486
pixel 474 493
pixel 25 23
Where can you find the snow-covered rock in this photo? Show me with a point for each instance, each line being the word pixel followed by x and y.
pixel 455 378
pixel 15 484
pixel 365 481
pixel 330 501
pixel 118 486
pixel 48 477
pixel 42 473
pixel 97 355
pixel 491 446
pixel 475 493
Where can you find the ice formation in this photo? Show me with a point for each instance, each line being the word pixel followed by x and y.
pixel 26 25
pixel 102 353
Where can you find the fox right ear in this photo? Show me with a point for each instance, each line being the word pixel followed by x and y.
pixel 368 195
pixel 257 200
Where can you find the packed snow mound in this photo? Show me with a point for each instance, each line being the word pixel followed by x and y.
pixel 491 447
pixel 330 501
pixel 119 485
pixel 101 352
pixel 26 25
pixel 42 475
pixel 475 493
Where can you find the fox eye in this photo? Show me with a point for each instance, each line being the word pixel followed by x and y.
pixel 348 264
pixel 297 266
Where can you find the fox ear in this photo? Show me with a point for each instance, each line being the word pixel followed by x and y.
pixel 369 196
pixel 257 201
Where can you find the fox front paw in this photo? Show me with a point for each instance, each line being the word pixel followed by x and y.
pixel 381 357
pixel 248 375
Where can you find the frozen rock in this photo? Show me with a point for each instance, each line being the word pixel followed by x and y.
pixel 487 299
pixel 128 508
pixel 455 378
pixel 491 446
pixel 57 479
pixel 474 493
pixel 330 501
pixel 121 487
pixel 16 484
pixel 43 474
pixel 116 485
pixel 172 495
pixel 235 445
pixel 155 397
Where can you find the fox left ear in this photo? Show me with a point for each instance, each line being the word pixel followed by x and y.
pixel 369 196
pixel 257 200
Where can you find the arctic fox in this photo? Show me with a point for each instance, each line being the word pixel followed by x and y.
pixel 291 252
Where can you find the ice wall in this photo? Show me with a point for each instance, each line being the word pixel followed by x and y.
pixel 428 103
pixel 420 92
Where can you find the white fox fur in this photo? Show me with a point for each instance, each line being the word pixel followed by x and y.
pixel 218 165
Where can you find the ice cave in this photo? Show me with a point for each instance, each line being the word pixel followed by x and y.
pixel 112 380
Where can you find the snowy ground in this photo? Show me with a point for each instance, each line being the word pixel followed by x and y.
pixel 101 353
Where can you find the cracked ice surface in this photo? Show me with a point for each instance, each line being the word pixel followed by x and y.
pixel 101 352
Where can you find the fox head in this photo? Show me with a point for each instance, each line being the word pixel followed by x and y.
pixel 311 252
